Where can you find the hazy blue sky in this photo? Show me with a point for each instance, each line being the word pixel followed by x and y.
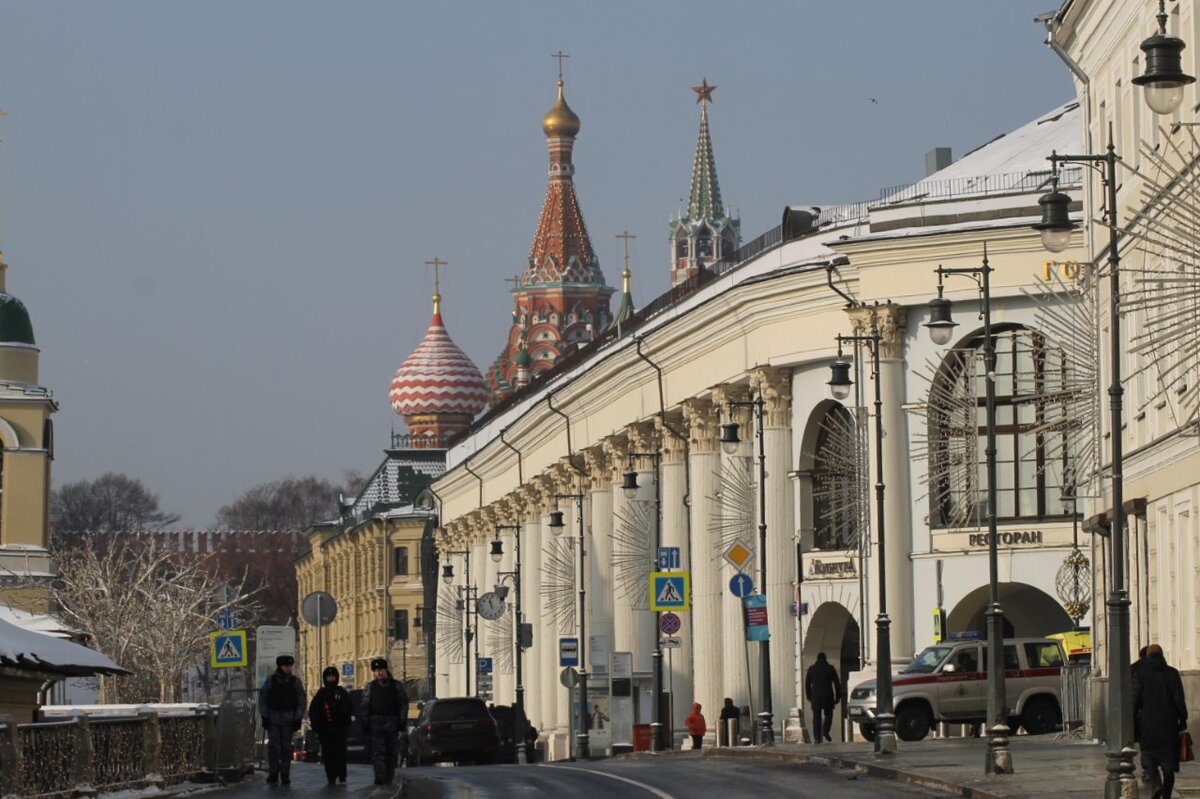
pixel 217 212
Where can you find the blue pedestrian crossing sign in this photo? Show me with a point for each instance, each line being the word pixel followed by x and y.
pixel 670 591
pixel 228 649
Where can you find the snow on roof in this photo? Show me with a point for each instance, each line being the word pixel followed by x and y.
pixel 34 651
pixel 47 625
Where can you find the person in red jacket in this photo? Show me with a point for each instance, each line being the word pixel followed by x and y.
pixel 696 726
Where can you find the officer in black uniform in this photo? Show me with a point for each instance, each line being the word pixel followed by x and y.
pixel 281 705
pixel 384 714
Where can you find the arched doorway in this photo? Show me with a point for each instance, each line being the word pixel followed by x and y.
pixel 1029 612
pixel 834 631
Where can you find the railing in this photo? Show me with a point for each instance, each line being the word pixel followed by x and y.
pixel 81 755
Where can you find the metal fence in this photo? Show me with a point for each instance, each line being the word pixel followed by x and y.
pixel 1075 693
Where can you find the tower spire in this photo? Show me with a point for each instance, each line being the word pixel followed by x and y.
pixel 626 309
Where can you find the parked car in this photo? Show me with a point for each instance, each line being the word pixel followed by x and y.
pixel 356 734
pixel 1078 646
pixel 458 729
pixel 506 721
pixel 948 682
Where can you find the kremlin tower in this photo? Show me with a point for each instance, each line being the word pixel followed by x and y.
pixel 705 234
pixel 561 299
pixel 438 390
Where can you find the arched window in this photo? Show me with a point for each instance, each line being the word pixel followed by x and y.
pixel 1033 461
pixel 839 460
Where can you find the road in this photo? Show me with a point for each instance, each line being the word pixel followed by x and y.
pixel 670 777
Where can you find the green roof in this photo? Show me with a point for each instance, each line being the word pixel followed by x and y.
pixel 15 327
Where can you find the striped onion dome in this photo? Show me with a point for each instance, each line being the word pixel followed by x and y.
pixel 438 377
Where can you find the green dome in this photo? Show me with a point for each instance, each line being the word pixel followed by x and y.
pixel 523 358
pixel 15 327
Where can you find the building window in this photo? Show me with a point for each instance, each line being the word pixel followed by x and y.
pixel 400 562
pixel 837 493
pixel 1033 429
pixel 400 625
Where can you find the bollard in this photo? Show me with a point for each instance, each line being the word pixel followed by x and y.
pixel 151 747
pixel 10 757
pixel 209 757
pixel 84 773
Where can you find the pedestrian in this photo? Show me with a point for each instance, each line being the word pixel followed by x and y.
pixel 1135 674
pixel 329 714
pixel 384 715
pixel 823 690
pixel 729 712
pixel 531 736
pixel 281 706
pixel 696 726
pixel 1161 712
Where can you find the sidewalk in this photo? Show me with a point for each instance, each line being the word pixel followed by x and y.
pixel 1044 767
pixel 308 780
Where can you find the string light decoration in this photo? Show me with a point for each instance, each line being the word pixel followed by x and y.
pixel 633 531
pixel 840 479
pixel 733 520
pixel 500 643
pixel 947 438
pixel 450 624
pixel 558 581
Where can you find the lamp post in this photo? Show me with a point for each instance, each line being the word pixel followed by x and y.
pixel 582 740
pixel 497 553
pixel 941 329
pixel 466 595
pixel 658 740
pixel 729 442
pixel 839 388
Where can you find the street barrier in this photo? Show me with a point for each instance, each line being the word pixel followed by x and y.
pixel 1075 693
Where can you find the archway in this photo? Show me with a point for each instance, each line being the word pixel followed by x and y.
pixel 1029 612
pixel 834 631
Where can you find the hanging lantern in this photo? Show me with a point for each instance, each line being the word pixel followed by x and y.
pixel 1074 584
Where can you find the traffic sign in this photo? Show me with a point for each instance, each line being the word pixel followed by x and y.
pixel 740 585
pixel 670 591
pixel 669 643
pixel 226 619
pixel 738 555
pixel 569 677
pixel 669 623
pixel 668 559
pixel 347 669
pixel 568 651
pixel 228 649
pixel 483 665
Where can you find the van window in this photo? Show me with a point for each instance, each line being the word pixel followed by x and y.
pixel 1043 654
pixel 1011 663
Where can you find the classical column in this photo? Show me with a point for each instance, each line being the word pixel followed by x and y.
pixel 677 663
pixel 643 438
pixel 531 581
pixel 735 520
pixel 505 649
pixel 600 577
pixel 774 386
pixel 703 625
pixel 563 481
pixel 892 321
pixel 553 725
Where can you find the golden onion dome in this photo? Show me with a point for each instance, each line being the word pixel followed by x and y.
pixel 561 121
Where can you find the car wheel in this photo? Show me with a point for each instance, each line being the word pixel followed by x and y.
pixel 912 723
pixel 868 731
pixel 1041 716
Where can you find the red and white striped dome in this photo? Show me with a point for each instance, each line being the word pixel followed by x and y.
pixel 438 377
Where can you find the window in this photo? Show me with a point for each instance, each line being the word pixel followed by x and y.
pixel 1033 463
pixel 400 625
pixel 400 562
pixel 837 485
pixel 1043 655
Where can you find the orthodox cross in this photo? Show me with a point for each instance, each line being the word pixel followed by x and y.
pixel 625 236
pixel 515 280
pixel 704 91
pixel 560 55
pixel 437 264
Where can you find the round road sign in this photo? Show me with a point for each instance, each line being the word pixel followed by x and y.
pixel 318 609
pixel 569 677
pixel 669 623
pixel 740 585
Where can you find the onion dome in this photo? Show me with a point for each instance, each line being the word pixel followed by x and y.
pixel 15 326
pixel 523 359
pixel 561 121
pixel 438 377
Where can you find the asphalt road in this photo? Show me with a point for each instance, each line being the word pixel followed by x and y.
pixel 670 777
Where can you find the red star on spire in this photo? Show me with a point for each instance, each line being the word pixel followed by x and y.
pixel 704 91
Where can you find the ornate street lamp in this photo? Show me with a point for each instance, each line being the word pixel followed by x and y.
pixel 1164 78
pixel 658 737
pixel 502 592
pixel 582 737
pixel 839 376
pixel 1056 225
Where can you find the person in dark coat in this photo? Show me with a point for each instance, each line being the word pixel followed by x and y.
pixel 1135 673
pixel 1161 711
pixel 384 714
pixel 281 706
pixel 823 690
pixel 729 711
pixel 329 714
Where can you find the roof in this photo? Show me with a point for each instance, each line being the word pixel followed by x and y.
pixel 438 377
pixel 47 625
pixel 34 651
pixel 398 482
pixel 15 326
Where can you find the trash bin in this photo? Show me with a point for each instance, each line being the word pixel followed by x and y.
pixel 727 733
pixel 641 737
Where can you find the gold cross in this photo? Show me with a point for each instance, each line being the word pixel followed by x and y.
pixel 560 55
pixel 625 236
pixel 437 264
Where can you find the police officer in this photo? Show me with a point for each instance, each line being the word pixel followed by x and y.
pixel 384 714
pixel 281 705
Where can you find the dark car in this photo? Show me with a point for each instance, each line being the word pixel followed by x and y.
pixel 356 734
pixel 457 729
pixel 506 721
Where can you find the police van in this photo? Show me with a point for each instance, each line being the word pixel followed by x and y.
pixel 947 682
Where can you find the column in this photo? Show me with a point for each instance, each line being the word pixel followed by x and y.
pixel 479 578
pixel 531 576
pixel 549 687
pixel 677 663
pixel 774 386
pixel 600 577
pixel 562 483
pixel 892 321
pixel 617 449
pixel 505 652
pixel 703 626
pixel 643 438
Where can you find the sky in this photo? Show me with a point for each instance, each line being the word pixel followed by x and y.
pixel 218 213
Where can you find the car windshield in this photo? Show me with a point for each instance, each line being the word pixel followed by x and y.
pixel 459 710
pixel 928 660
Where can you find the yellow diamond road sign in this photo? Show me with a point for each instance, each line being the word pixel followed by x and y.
pixel 739 555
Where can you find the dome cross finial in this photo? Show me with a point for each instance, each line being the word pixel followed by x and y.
pixel 437 264
pixel 560 55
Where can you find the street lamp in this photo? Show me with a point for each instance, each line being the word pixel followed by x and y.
pixel 1164 78
pixel 729 444
pixel 1119 721
pixel 658 738
pixel 839 386
pixel 941 328
pixel 582 740
pixel 502 590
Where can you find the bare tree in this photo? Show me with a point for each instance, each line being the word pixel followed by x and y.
pixel 112 501
pixel 147 607
pixel 294 503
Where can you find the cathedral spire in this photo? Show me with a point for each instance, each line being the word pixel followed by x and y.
pixel 706 233
pixel 626 308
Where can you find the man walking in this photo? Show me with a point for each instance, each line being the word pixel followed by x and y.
pixel 823 690
pixel 281 706
pixel 384 715
pixel 1161 713
pixel 329 714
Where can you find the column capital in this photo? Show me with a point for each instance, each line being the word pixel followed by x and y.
pixel 643 437
pixel 774 386
pixel 596 461
pixel 616 450
pixel 700 414
pixel 564 477
pixel 726 393
pixel 543 494
pixel 674 448
pixel 891 320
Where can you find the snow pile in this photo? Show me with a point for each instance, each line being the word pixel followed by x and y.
pixel 27 649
